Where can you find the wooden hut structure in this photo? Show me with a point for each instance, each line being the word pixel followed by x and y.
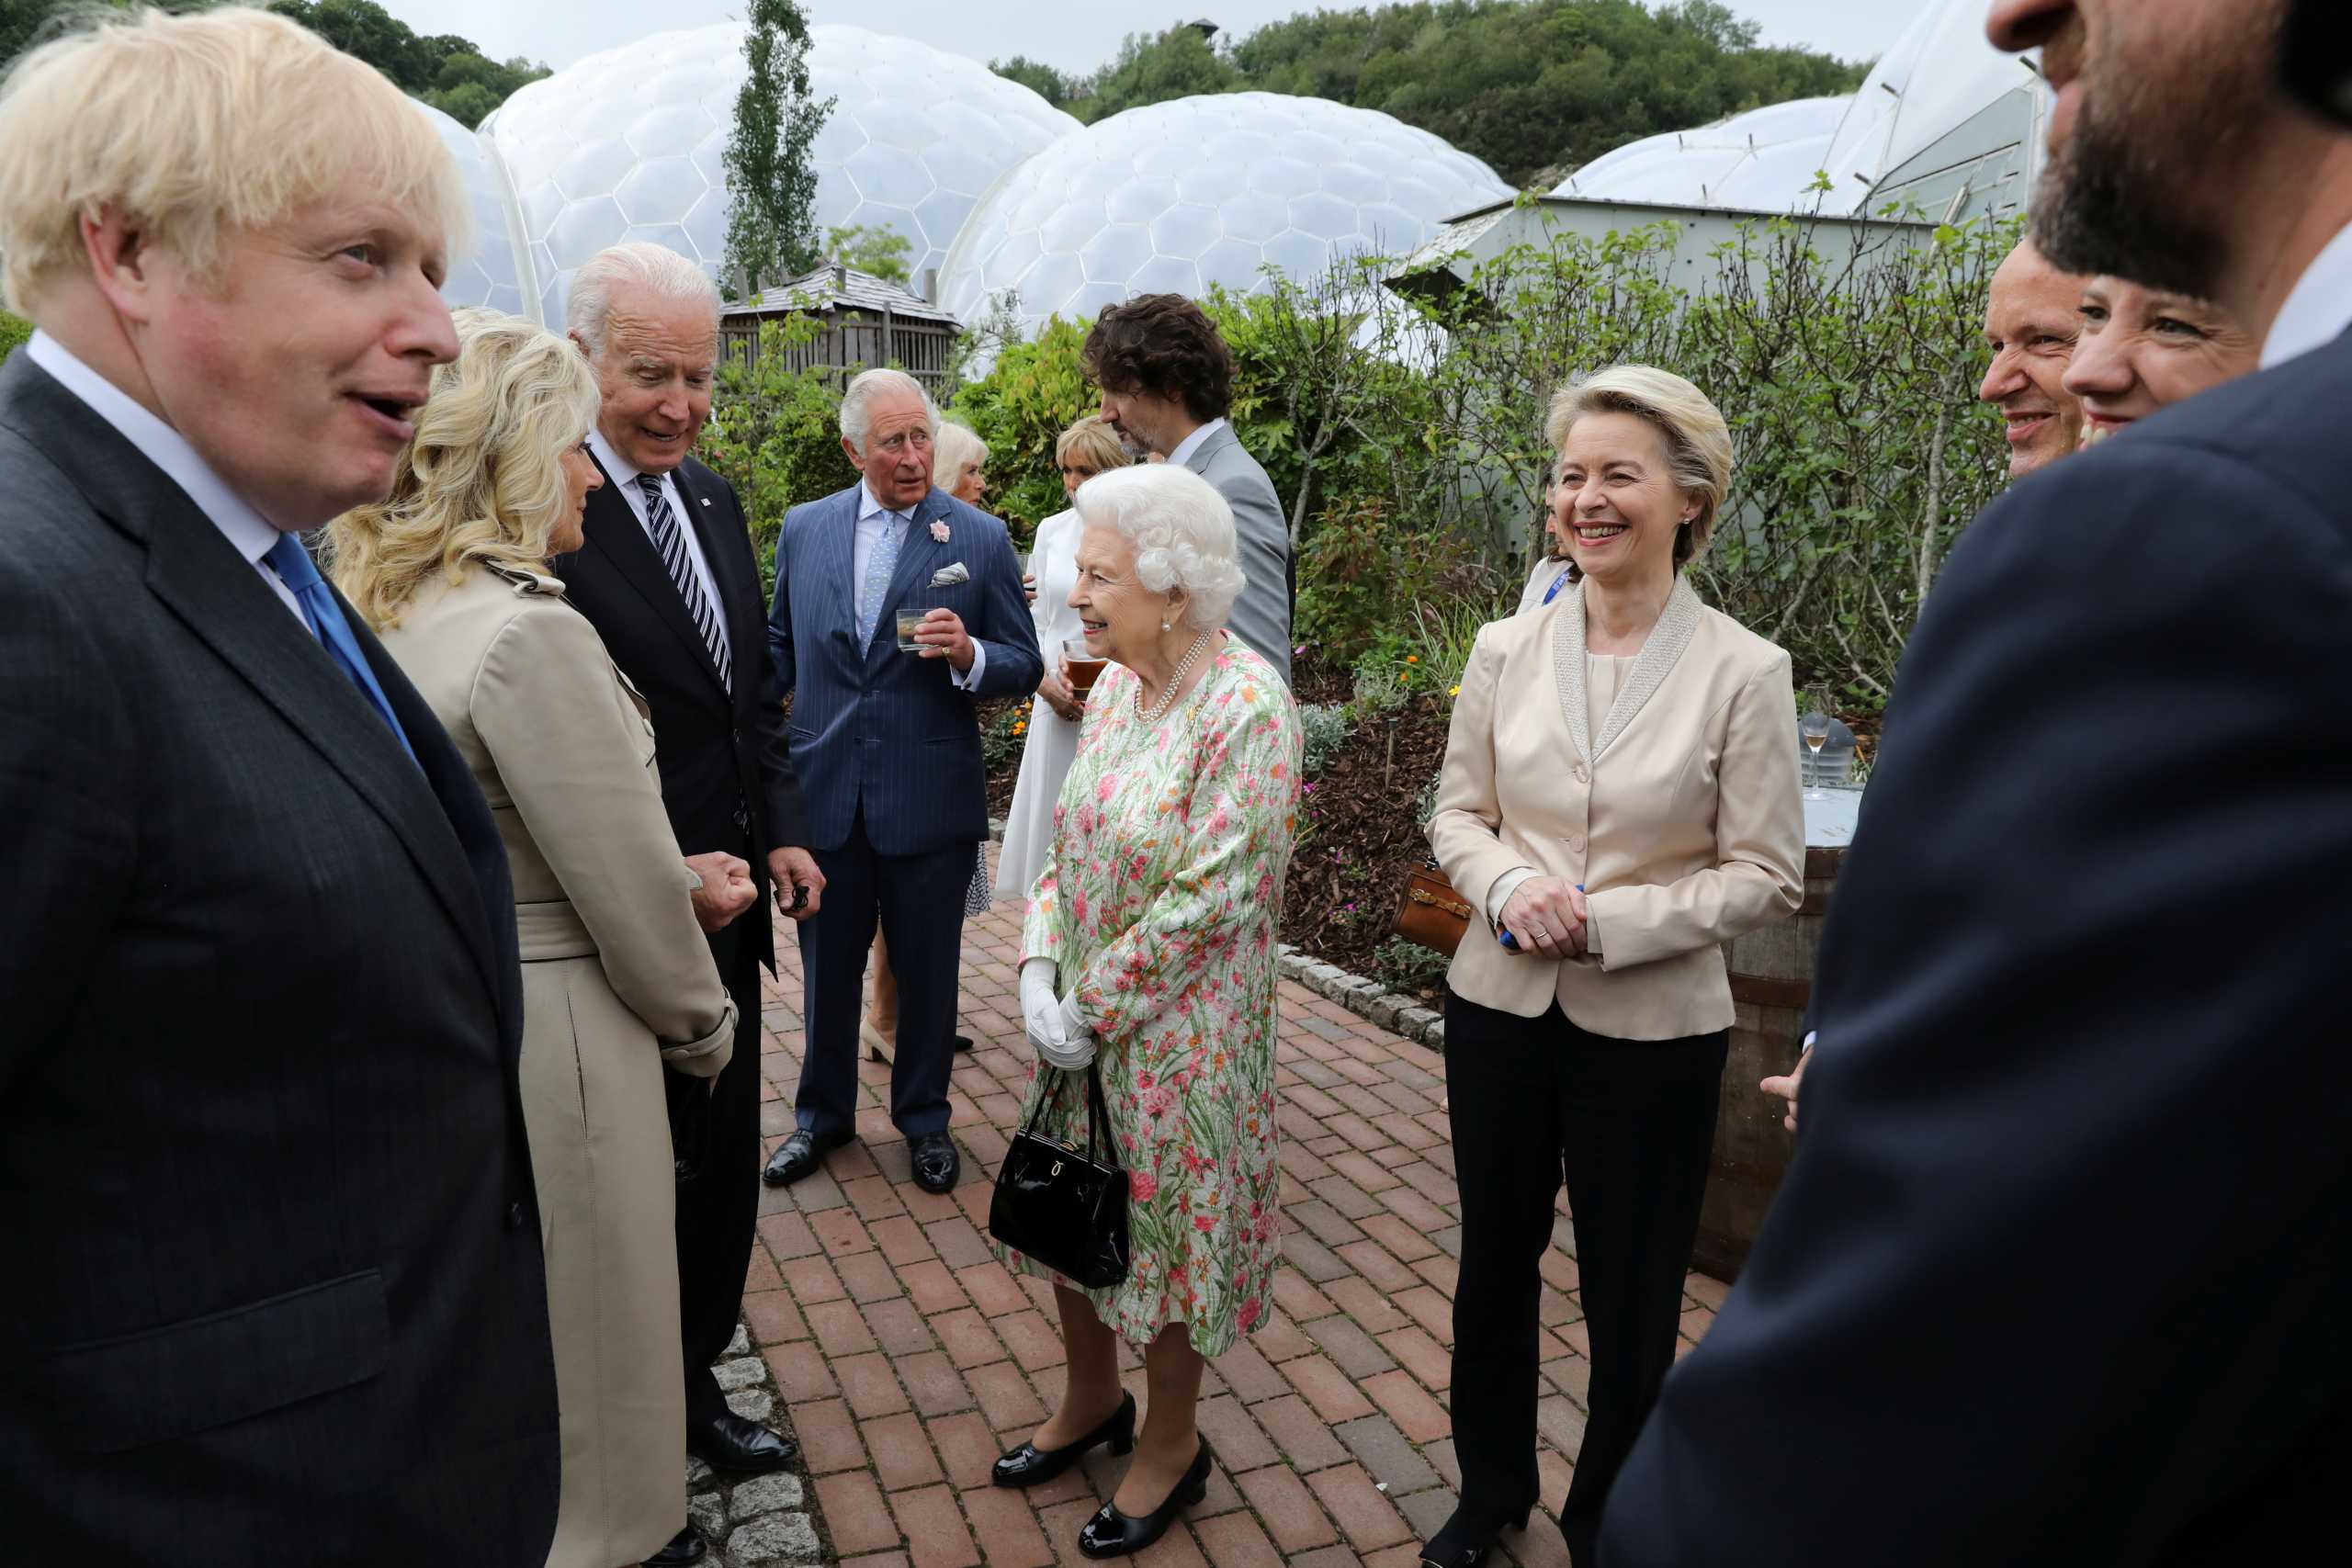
pixel 867 321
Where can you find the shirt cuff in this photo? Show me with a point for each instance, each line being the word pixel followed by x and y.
pixel 969 680
pixel 1505 885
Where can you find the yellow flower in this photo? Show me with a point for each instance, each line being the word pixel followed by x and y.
pixel 1412 659
pixel 1453 691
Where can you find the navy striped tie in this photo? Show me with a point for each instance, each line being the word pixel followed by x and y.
pixel 671 540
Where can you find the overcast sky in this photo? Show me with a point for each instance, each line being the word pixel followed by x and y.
pixel 1073 37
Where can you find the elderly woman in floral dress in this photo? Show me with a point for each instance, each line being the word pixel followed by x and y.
pixel 1150 934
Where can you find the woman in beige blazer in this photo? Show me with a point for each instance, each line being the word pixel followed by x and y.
pixel 617 981
pixel 1619 798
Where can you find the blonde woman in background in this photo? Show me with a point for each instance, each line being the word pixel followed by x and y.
pixel 960 458
pixel 617 981
pixel 1619 798
pixel 1086 448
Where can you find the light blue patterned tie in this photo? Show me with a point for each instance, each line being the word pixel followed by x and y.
pixel 879 566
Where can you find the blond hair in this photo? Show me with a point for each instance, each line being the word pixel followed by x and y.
pixel 1092 441
pixel 1698 442
pixel 957 445
pixel 193 124
pixel 483 480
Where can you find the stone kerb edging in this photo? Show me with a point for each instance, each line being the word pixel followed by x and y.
pixel 1370 999
pixel 763 1518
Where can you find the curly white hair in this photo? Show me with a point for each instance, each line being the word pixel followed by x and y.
pixel 1180 530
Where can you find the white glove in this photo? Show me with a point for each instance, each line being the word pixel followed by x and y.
pixel 1053 1025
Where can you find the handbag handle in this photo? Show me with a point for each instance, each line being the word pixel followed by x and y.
pixel 1098 1113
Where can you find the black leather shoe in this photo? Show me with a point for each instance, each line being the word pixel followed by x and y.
pixel 936 1162
pixel 729 1442
pixel 802 1153
pixel 1111 1533
pixel 685 1547
pixel 1465 1538
pixel 1030 1465
pixel 963 1042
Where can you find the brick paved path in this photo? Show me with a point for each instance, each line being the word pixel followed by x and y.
pixel 909 1358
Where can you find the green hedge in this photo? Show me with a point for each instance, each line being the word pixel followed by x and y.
pixel 13 329
pixel 1408 447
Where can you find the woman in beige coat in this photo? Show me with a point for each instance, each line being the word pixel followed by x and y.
pixel 617 981
pixel 1619 798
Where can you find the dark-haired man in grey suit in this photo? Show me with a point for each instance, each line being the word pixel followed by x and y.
pixel 1166 381
pixel 2057 1274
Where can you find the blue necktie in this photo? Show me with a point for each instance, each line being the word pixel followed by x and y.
pixel 880 566
pixel 292 564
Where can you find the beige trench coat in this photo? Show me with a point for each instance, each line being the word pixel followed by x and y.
pixel 616 981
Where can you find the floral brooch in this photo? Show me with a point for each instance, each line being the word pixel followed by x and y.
pixel 939 532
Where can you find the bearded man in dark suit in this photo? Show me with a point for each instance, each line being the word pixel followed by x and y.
pixel 270 1286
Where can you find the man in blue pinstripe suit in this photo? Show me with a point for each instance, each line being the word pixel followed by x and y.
pixel 888 751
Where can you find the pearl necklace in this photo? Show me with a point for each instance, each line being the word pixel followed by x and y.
pixel 1176 679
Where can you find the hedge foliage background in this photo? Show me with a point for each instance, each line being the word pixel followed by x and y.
pixel 1408 441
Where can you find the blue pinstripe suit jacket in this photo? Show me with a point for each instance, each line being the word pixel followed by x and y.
pixel 875 727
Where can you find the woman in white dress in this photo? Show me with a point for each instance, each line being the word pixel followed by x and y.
pixel 1085 449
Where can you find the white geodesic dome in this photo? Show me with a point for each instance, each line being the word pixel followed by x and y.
pixel 1176 197
pixel 484 271
pixel 627 145
pixel 1944 121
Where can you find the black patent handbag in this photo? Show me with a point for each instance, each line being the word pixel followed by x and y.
pixel 1065 1206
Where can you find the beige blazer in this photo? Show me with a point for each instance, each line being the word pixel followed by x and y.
pixel 616 980
pixel 1681 817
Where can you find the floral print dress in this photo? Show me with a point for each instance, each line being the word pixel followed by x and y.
pixel 1158 899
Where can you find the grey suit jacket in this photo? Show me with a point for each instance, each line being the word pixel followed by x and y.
pixel 1261 616
pixel 270 1266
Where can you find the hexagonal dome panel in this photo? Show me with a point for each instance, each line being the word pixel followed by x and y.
pixel 484 270
pixel 629 140
pixel 1204 191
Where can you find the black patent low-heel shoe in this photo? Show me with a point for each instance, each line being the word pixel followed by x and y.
pixel 1030 1465
pixel 1463 1542
pixel 1111 1533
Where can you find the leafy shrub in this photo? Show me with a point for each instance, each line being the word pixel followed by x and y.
pixel 1001 741
pixel 1033 393
pixel 14 332
pixel 774 433
pixel 1409 967
pixel 1326 726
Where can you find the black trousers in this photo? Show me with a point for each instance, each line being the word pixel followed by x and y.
pixel 1630 1125
pixel 918 900
pixel 717 1146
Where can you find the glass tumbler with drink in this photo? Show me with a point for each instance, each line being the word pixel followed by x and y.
pixel 1083 668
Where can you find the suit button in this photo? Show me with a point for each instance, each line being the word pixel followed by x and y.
pixel 736 736
pixel 514 1216
pixel 1580 774
pixel 1576 846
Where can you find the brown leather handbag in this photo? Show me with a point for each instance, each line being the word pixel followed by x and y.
pixel 1430 912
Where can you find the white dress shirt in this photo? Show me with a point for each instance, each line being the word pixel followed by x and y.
pixel 2318 308
pixel 871 518
pixel 1192 443
pixel 623 472
pixel 248 532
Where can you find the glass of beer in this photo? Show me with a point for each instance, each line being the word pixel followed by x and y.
pixel 1083 667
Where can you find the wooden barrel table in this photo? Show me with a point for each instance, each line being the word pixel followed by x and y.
pixel 1771 981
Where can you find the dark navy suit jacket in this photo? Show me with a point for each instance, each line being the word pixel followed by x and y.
pixel 2059 1272
pixel 874 727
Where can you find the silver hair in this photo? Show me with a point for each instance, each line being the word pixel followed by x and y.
pixel 1180 530
pixel 670 276
pixel 857 403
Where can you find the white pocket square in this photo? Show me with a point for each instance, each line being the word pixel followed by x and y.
pixel 950 575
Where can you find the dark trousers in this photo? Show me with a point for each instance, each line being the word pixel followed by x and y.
pixel 1630 1123
pixel 717 1147
pixel 919 900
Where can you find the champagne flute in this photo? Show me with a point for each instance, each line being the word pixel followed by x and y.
pixel 1813 730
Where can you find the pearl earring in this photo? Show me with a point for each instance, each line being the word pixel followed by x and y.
pixel 1165 626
